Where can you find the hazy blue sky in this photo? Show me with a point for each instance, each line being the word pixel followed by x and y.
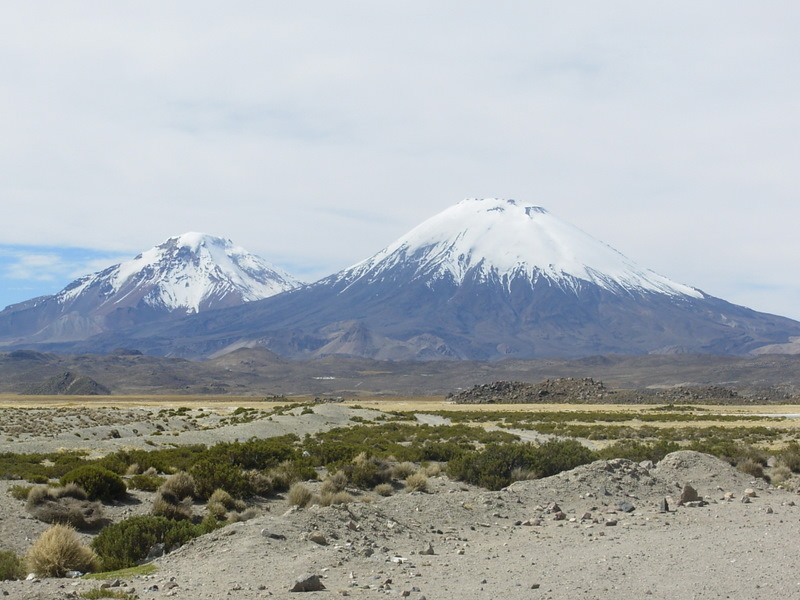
pixel 314 133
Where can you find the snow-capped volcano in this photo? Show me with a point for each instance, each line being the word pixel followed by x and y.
pixel 484 279
pixel 186 274
pixel 190 272
pixel 503 240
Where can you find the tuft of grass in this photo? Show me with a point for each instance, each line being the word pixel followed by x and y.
pixel 384 489
pixel 58 550
pixel 180 484
pixel 403 470
pixel 418 482
pixel 300 495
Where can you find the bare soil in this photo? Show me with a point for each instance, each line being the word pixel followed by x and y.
pixel 607 538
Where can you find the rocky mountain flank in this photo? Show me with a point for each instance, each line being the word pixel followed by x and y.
pixel 589 391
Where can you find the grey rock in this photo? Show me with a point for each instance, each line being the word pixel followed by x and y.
pixel 689 494
pixel 307 583
pixel 663 506
pixel 626 507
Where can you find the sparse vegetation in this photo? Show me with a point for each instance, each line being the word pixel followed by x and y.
pixel 123 544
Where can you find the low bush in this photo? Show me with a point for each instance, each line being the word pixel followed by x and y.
pixel 66 505
pixel 20 492
pixel 122 545
pixel 365 472
pixel 210 475
pixel 99 483
pixel 494 466
pixel 58 550
pixel 10 566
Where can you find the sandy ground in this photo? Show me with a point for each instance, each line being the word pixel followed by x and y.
pixel 461 542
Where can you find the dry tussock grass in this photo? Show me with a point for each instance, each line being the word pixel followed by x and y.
pixel 59 550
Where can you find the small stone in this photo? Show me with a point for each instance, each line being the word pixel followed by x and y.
pixel 745 499
pixel 559 516
pixel 769 510
pixel 307 583
pixel 535 586
pixel 626 507
pixel 318 538
pixel 427 551
pixel 689 494
pixel 728 496
pixel 272 535
pixel 611 523
pixel 587 516
pixel 750 493
pixel 663 506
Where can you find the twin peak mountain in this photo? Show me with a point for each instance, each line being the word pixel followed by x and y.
pixel 483 280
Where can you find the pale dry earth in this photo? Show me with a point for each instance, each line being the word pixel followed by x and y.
pixel 485 545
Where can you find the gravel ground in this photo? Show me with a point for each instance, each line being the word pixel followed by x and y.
pixel 596 532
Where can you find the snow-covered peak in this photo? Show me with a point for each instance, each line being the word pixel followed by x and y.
pixel 191 272
pixel 506 239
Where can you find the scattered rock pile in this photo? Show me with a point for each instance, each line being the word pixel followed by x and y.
pixel 581 391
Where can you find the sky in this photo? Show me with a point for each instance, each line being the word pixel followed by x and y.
pixel 315 133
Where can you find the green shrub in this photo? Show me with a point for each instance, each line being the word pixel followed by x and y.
pixel 638 451
pixel 99 483
pixel 10 566
pixel 20 492
pixel 210 475
pixel 122 545
pixel 494 466
pixel 366 472
pixel 58 550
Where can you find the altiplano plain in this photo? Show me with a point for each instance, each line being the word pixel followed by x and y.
pixel 596 531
